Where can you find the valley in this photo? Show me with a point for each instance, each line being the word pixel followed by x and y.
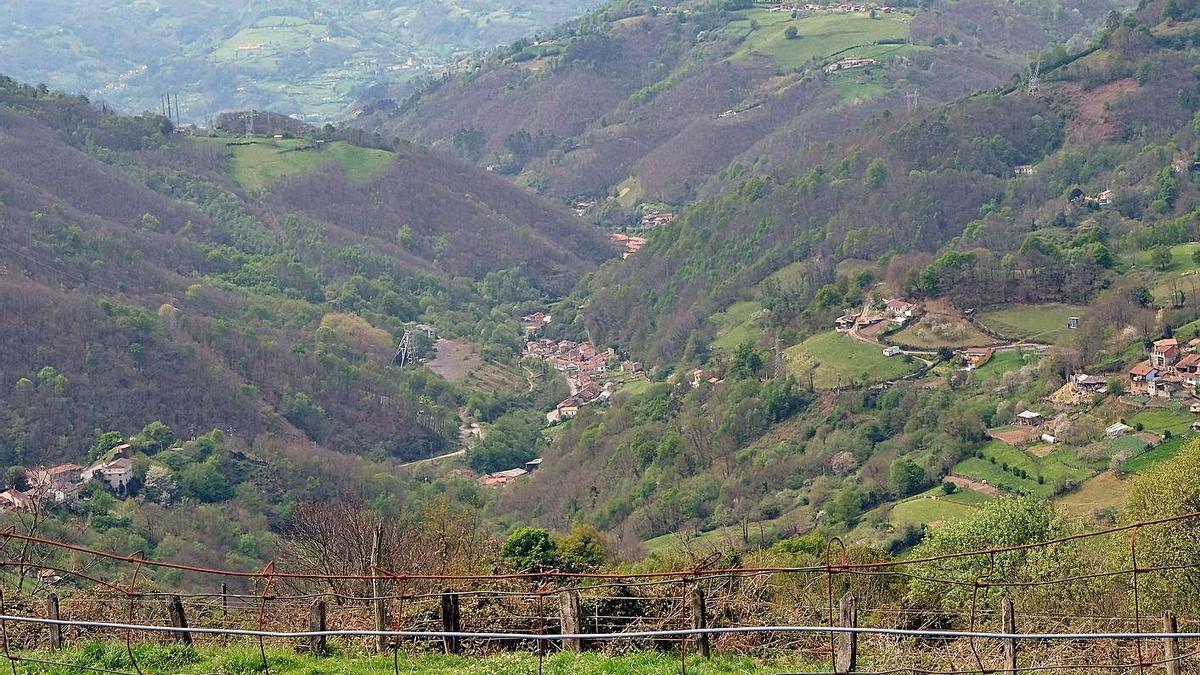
pixel 705 315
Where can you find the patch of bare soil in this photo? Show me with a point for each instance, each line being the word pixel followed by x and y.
pixel 454 360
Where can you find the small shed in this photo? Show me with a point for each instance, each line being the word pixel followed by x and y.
pixel 1030 419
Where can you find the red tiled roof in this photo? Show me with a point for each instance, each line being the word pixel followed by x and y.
pixel 1142 369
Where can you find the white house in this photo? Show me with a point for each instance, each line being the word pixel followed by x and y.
pixel 891 351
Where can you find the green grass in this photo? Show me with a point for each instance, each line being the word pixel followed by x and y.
pixel 736 325
pixel 286 661
pixel 1061 466
pixel 1182 267
pixel 838 359
pixel 934 505
pixel 818 36
pixel 1158 420
pixel 1003 362
pixel 265 161
pixel 1106 489
pixel 1158 455
pixel 1043 323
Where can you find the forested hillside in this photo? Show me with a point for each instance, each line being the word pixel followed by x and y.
pixel 635 104
pixel 141 282
pixel 1051 220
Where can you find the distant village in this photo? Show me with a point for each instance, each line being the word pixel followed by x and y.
pixel 592 375
pixel 65 483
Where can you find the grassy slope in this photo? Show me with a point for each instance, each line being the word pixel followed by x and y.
pixel 1045 323
pixel 736 325
pixel 1159 281
pixel 819 36
pixel 265 161
pixel 285 661
pixel 933 506
pixel 1060 466
pixel 838 358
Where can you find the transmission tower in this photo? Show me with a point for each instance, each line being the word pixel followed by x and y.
pixel 1035 77
pixel 404 352
pixel 780 359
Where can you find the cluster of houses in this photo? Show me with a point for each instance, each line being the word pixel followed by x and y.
pixel 895 310
pixel 843 8
pixel 629 244
pixel 583 365
pixel 534 323
pixel 1172 371
pixel 850 63
pixel 1104 199
pixel 652 219
pixel 65 482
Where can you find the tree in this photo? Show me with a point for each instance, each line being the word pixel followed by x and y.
pixel 1169 489
pixel 1172 11
pixel 585 548
pixel 877 173
pixel 530 549
pixel 1196 256
pixel 1116 386
pixel 747 361
pixel 160 485
pixel 513 439
pixel 107 441
pixel 17 478
pixel 1001 522
pixel 1161 258
pixel 906 477
pixel 791 33
pixel 155 437
pixel 846 506
pixel 303 412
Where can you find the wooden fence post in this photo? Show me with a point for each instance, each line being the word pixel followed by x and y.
pixel 317 644
pixel 224 599
pixel 847 643
pixel 179 620
pixel 1008 617
pixel 1172 644
pixel 55 629
pixel 450 622
pixel 569 611
pixel 700 619
pixel 381 641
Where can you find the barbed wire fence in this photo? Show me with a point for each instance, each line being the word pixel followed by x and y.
pixel 835 613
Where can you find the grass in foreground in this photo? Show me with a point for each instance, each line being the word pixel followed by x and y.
pixel 245 659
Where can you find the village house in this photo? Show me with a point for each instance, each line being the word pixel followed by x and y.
pixel 57 482
pixel 1166 385
pixel 1189 368
pixel 849 63
pixel 1165 353
pixel 501 478
pixel 1106 198
pixel 15 500
pixel 1117 429
pixel 976 357
pixel 891 351
pixel 1083 382
pixel 1140 377
pixel 115 475
pixel 1029 418
pixel 846 321
pixel 1023 170
pixel 1072 322
pixel 533 465
pixel 535 322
